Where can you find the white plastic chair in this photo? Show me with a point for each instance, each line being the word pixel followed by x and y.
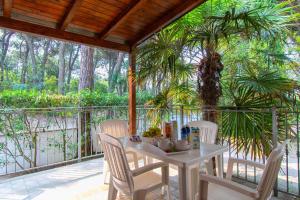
pixel 207 131
pixel 216 188
pixel 207 134
pixel 118 128
pixel 115 127
pixel 133 183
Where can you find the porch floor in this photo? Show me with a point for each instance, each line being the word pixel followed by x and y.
pixel 80 181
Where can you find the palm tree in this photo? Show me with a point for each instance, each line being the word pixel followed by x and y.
pixel 161 63
pixel 160 59
pixel 261 22
pixel 248 125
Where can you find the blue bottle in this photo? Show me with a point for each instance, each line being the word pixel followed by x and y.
pixel 185 132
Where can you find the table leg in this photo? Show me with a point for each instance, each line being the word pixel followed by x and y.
pixel 112 192
pixel 185 190
pixel 149 160
pixel 219 164
pixel 195 180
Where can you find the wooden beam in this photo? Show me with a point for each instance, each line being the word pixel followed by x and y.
pixel 132 92
pixel 121 17
pixel 165 20
pixel 7 6
pixel 69 14
pixel 59 34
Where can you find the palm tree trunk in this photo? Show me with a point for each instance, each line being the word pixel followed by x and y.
pixel 209 87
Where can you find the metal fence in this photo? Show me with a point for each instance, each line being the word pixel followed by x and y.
pixel 32 139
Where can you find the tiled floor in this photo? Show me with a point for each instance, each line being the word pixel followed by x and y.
pixel 81 181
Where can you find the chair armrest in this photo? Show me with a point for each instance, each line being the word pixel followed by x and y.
pixel 231 161
pixel 148 168
pixel 205 179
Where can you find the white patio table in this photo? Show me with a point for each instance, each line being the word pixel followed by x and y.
pixel 186 162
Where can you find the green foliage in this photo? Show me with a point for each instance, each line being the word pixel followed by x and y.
pixel 35 99
pixel 248 131
pixel 101 86
pixel 159 59
pixel 152 132
pixel 88 98
pixel 259 88
pixel 249 125
pixel 74 85
pixel 51 83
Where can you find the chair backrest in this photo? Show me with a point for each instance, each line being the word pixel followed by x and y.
pixel 115 127
pixel 270 172
pixel 118 164
pixel 207 130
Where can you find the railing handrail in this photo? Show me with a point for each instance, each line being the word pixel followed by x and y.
pixel 188 108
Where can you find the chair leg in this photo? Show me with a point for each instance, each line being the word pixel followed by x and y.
pixel 163 190
pixel 145 160
pixel 139 195
pixel 135 160
pixel 168 192
pixel 112 191
pixel 203 190
pixel 106 172
pixel 136 163
pixel 209 167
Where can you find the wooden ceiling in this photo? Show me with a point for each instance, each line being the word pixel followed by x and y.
pixel 113 24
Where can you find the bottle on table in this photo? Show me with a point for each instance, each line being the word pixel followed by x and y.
pixel 167 130
pixel 185 133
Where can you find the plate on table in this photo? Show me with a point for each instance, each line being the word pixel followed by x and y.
pixel 176 152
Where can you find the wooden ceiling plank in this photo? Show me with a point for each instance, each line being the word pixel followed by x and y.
pixel 59 34
pixel 7 6
pixel 122 16
pixel 169 17
pixel 69 14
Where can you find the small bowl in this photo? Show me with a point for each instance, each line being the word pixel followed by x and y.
pixel 182 146
pixel 148 139
pixel 182 142
pixel 165 144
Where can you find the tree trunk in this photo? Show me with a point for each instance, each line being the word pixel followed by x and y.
pixel 61 68
pixel 44 60
pixel 5 45
pixel 208 81
pixel 116 72
pixel 86 82
pixel 24 66
pixel 70 66
pixel 30 44
pixel 111 65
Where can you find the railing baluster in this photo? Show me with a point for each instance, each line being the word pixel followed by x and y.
pixel 79 135
pixel 286 152
pixel 237 142
pixel 298 154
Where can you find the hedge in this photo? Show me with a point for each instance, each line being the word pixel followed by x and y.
pixel 36 99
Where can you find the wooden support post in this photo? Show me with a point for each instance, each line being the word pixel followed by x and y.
pixel 132 92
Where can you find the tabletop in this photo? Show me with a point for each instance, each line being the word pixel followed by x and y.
pixel 190 157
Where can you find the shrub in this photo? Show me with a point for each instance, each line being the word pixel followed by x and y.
pixel 36 99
